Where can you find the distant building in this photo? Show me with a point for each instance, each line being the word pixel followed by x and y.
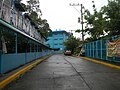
pixel 56 40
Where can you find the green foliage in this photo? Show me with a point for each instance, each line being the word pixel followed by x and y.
pixel 105 22
pixel 33 6
pixel 112 16
pixel 24 6
pixel 45 29
pixel 78 30
pixel 95 25
pixel 34 17
pixel 34 13
pixel 72 43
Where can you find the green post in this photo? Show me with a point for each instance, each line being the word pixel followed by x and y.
pixel 93 49
pixel 90 50
pixel 96 49
pixel 30 46
pixel 16 42
pixel 100 49
pixel 106 49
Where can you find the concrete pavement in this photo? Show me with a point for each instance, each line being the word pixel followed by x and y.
pixel 61 72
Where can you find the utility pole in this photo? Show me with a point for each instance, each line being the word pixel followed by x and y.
pixel 82 22
pixel 81 17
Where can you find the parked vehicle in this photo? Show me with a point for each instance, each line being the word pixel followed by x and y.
pixel 82 52
pixel 67 52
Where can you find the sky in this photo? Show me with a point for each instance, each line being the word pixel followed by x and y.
pixel 61 16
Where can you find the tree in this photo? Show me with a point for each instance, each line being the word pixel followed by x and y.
pixel 112 16
pixel 103 22
pixel 44 27
pixel 72 43
pixel 34 12
pixel 34 6
pixel 95 24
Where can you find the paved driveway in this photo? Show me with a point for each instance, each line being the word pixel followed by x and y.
pixel 61 72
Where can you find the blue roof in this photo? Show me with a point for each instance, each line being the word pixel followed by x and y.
pixel 60 31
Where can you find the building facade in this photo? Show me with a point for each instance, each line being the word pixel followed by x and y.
pixel 20 39
pixel 56 40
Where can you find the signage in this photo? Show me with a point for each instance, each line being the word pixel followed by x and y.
pixel 114 48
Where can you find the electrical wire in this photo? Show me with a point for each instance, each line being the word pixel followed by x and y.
pixel 101 4
pixel 77 10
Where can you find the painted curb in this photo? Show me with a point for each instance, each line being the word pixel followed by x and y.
pixel 101 62
pixel 17 74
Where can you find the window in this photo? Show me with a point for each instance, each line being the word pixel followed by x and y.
pixel 55 39
pixel 0 42
pixel 60 44
pixel 0 45
pixel 61 34
pixel 55 34
pixel 32 46
pixel 23 44
pixel 7 39
pixel 61 38
pixel 39 48
pixel 36 47
pixel 28 45
pixel 43 48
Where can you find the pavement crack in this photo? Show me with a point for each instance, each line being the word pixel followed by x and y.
pixel 78 74
pixel 53 81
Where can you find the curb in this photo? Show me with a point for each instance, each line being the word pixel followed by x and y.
pixel 101 62
pixel 20 72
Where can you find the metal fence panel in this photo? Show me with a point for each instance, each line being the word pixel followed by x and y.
pixel 107 49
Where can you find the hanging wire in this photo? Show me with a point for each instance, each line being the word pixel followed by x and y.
pixel 102 4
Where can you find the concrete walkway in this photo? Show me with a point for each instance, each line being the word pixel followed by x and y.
pixel 61 72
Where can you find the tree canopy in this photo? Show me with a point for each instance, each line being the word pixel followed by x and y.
pixel 34 11
pixel 104 22
pixel 72 43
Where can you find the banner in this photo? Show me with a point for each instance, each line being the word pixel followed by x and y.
pixel 114 48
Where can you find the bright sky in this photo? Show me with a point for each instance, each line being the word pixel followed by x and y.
pixel 60 15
